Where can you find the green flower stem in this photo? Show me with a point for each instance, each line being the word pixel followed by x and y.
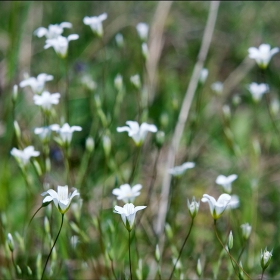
pixel 129 255
pixel 181 250
pixel 262 274
pixel 62 216
pixel 231 257
pixel 34 215
pixel 66 90
pixel 67 164
pixel 242 250
pixel 135 164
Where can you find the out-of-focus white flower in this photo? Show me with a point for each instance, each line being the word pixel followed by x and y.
pixel 95 23
pixel 274 107
pixel 135 80
pixel 262 55
pixel 44 132
pixel 246 230
pixel 217 87
pixel 143 30
pixel 258 90
pixel 145 50
pixel 234 202
pixel 119 40
pixel 66 132
pixel 177 171
pixel 36 84
pixel 60 44
pixel 193 207
pixel 128 212
pixel 217 207
pixel 88 82
pixel 74 241
pixel 126 193
pixel 198 268
pixel 53 31
pixel 23 156
pixel 46 100
pixel 225 182
pixel 203 75
pixel 118 82
pixel 138 133
pixel 226 111
pixel 265 258
pixel 60 198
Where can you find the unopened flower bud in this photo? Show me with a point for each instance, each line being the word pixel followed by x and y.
pixel 119 40
pixel 10 241
pixel 203 75
pixel 118 82
pixel 160 137
pixel 198 268
pixel 193 207
pixel 135 80
pixel 241 273
pixel 47 225
pixel 39 265
pixel 236 100
pixel 226 112
pixel 164 119
pixel 265 258
pixel 17 130
pixel 106 145
pixel 15 93
pixel 246 230
pixel 168 231
pixel 18 269
pixel 29 271
pixel 230 240
pixel 274 107
pixel 37 167
pixel 145 50
pixel 157 253
pixel 90 144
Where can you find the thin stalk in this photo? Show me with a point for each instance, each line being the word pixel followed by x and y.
pixel 262 274
pixel 231 257
pixel 35 214
pixel 135 163
pixel 67 91
pixel 242 251
pixel 62 216
pixel 181 250
pixel 113 270
pixel 129 255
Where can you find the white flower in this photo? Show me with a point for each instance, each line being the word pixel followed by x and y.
pixel 66 132
pixel 234 202
pixel 135 80
pixel 36 84
pixel 119 40
pixel 262 55
pixel 128 212
pixel 217 87
pixel 265 258
pixel 258 90
pixel 53 31
pixel 60 198
pixel 44 132
pixel 246 230
pixel 225 182
pixel 23 156
pixel 193 207
pixel 177 171
pixel 60 44
pixel 127 193
pixel 95 23
pixel 217 207
pixel 118 82
pixel 138 133
pixel 143 30
pixel 203 75
pixel 46 100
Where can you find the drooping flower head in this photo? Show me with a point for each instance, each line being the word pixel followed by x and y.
pixel 61 198
pixel 53 31
pixel 225 182
pixel 217 207
pixel 262 55
pixel 36 84
pixel 128 212
pixel 95 23
pixel 143 30
pixel 177 171
pixel 66 132
pixel 258 90
pixel 127 193
pixel 60 44
pixel 46 100
pixel 23 156
pixel 138 133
